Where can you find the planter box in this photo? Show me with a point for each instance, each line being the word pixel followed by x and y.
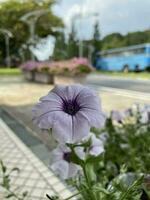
pixel 43 78
pixel 66 80
pixel 29 75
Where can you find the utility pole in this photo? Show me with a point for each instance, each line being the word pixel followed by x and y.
pixel 7 34
pixel 80 16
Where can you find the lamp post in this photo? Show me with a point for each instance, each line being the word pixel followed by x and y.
pixel 21 52
pixel 80 16
pixel 31 19
pixel 7 34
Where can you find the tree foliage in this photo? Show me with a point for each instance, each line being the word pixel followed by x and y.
pixel 96 41
pixel 10 13
pixel 72 46
pixel 116 40
pixel 60 47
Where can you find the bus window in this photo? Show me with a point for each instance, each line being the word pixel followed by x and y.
pixel 125 53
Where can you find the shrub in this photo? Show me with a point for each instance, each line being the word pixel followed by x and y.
pixel 74 66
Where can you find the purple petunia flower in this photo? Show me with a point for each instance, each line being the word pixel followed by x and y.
pixel 70 111
pixel 95 149
pixel 117 116
pixel 145 114
pixel 97 146
pixel 61 163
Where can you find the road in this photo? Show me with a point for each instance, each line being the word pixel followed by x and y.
pixel 119 83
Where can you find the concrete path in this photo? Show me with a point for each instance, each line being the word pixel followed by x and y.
pixel 34 176
pixel 119 82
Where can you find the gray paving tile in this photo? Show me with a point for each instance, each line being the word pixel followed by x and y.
pixel 34 176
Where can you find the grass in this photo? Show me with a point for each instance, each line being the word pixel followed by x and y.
pixel 10 71
pixel 133 75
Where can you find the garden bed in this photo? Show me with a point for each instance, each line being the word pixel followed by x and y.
pixel 57 72
pixel 29 75
pixel 43 77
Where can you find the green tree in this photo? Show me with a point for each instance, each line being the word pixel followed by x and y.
pixel 10 13
pixel 96 41
pixel 114 40
pixel 72 44
pixel 136 38
pixel 60 51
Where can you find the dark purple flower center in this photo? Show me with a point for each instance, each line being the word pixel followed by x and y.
pixel 67 156
pixel 71 106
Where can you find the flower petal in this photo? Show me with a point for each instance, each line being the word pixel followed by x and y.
pixel 44 110
pixel 95 118
pixel 80 152
pixel 57 154
pixel 52 98
pixel 47 104
pixel 62 127
pixel 70 129
pixel 97 146
pixel 68 92
pixel 96 150
pixel 61 168
pixel 73 169
pixel 81 127
pixel 45 121
pixel 117 115
pixel 89 99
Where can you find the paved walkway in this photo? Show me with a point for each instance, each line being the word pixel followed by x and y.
pixel 34 176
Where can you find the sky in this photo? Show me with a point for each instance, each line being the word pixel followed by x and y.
pixel 113 15
pixel 121 16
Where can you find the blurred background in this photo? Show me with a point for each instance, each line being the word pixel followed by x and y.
pixel 65 29
pixel 102 44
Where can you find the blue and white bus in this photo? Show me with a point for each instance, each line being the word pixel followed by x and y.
pixel 132 58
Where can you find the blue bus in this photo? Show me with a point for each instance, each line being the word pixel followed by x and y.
pixel 132 58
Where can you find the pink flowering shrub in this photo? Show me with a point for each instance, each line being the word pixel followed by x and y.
pixel 29 66
pixel 75 66
pixel 36 66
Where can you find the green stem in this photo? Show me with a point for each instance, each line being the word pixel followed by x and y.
pixel 99 190
pixel 14 194
pixel 90 189
pixel 7 189
pixel 134 185
pixel 73 195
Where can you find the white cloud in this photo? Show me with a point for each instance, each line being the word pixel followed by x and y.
pixel 115 15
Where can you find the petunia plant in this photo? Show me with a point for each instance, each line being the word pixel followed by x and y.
pixel 86 155
pixel 6 183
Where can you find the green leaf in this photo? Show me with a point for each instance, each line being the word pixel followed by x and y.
pixel 9 195
pixel 15 169
pixel 52 197
pixel 4 169
pixel 6 182
pixel 24 194
pixel 94 159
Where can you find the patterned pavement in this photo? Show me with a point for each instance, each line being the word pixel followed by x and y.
pixel 34 177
